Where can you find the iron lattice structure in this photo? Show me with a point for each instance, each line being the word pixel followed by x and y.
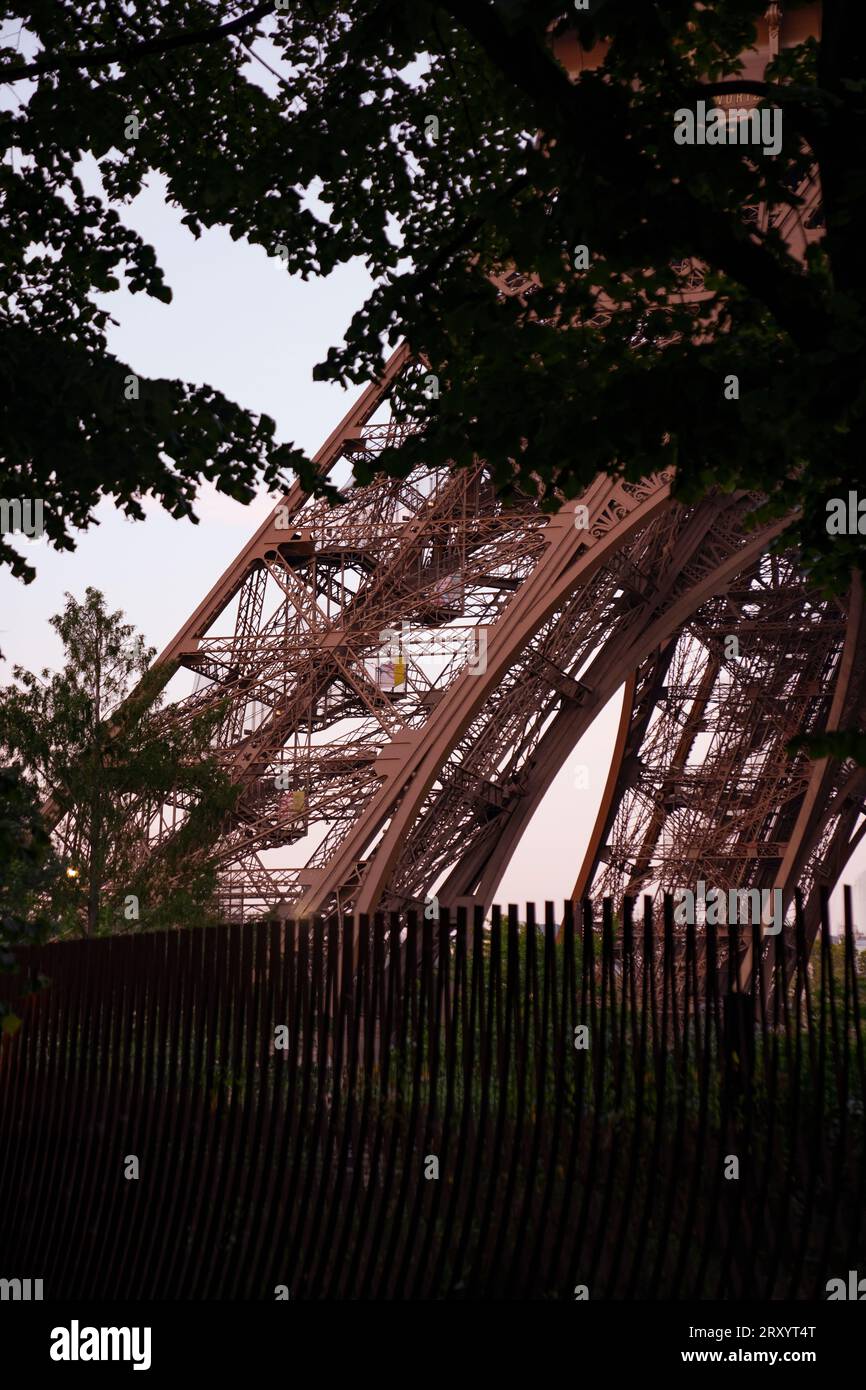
pixel 395 782
pixel 388 775
pixel 395 775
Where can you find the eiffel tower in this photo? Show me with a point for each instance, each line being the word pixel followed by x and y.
pixel 406 671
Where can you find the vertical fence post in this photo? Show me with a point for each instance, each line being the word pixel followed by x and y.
pixel 580 1091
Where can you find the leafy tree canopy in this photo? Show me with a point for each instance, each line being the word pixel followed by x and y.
pixel 409 135
pixel 76 729
pixel 27 867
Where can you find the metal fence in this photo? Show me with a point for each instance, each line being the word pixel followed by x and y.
pixel 459 1108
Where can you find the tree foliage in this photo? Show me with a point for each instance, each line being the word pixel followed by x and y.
pixel 409 136
pixel 27 866
pixel 76 730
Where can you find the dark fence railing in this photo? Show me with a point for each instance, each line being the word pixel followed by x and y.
pixel 404 1108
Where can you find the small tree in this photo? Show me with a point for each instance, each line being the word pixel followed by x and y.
pixel 83 741
pixel 27 865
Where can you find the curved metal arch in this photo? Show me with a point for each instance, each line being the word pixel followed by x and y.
pixel 604 677
pixel 410 764
pixel 481 868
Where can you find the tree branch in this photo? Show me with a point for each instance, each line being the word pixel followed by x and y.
pixel 533 70
pixel 423 278
pixel 131 53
